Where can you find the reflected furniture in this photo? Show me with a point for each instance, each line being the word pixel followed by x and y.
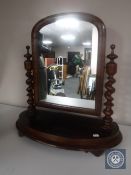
pixel 65 122
pixel 65 68
pixel 83 83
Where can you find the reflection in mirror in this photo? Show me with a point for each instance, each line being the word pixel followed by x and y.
pixel 68 62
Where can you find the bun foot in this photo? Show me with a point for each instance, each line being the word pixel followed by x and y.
pixel 20 134
pixel 97 153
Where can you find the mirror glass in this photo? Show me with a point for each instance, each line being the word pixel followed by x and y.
pixel 68 52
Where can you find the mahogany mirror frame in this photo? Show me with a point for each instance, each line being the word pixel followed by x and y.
pixel 70 130
pixel 100 62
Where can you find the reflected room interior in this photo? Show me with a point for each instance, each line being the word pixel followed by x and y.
pixel 68 61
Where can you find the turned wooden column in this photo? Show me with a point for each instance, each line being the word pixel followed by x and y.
pixel 111 69
pixel 29 81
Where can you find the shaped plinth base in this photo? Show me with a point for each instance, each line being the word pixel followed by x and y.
pixel 69 131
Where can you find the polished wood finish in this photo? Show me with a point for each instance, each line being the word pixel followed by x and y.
pixel 111 69
pixel 69 131
pixel 100 64
pixel 29 81
pixel 69 128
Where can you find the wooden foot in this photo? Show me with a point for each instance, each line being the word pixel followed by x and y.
pixel 97 153
pixel 20 134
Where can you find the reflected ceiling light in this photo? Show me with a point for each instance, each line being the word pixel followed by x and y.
pixel 86 43
pixel 68 37
pixel 68 23
pixel 47 42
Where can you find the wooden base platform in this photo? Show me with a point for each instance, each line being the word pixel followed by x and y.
pixel 68 131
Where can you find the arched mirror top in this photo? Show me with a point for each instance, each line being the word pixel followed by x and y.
pixel 79 15
pixel 68 52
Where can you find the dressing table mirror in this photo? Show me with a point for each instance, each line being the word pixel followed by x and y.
pixel 65 75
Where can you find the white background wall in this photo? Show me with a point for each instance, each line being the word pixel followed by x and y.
pixel 17 18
